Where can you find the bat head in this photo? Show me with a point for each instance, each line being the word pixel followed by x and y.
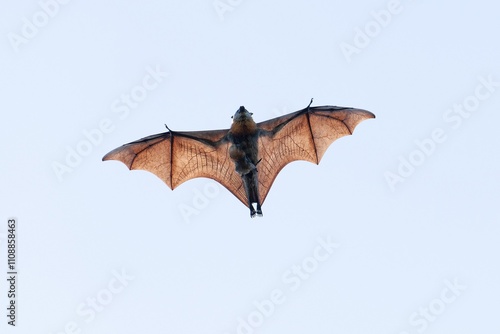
pixel 242 115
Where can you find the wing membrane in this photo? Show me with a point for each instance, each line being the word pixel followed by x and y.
pixel 176 157
pixel 302 135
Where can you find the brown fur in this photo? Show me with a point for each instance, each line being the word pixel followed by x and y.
pixel 244 127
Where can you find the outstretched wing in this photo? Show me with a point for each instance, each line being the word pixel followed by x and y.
pixel 176 157
pixel 302 135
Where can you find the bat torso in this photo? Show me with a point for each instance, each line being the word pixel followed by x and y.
pixel 243 150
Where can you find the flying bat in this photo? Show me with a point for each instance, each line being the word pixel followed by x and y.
pixel 245 158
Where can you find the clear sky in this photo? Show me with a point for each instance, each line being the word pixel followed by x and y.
pixel 396 231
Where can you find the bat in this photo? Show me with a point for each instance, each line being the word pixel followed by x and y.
pixel 246 158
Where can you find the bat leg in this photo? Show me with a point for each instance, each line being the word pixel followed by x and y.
pixel 259 210
pixel 251 184
pixel 254 212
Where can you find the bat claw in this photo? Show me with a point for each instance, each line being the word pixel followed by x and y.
pixel 310 103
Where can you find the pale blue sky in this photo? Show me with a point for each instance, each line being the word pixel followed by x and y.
pixel 410 201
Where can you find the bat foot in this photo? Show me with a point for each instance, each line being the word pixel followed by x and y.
pixel 259 211
pixel 252 215
pixel 254 212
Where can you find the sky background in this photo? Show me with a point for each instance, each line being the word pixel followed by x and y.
pixel 395 232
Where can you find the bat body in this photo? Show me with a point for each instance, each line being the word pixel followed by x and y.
pixel 245 158
pixel 244 151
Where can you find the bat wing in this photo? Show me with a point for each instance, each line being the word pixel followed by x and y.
pixel 303 135
pixel 176 157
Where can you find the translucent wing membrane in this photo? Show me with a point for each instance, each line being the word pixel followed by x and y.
pixel 302 135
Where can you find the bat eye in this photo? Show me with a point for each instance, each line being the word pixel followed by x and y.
pixel 251 114
pixel 231 116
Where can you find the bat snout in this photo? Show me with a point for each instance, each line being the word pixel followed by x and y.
pixel 242 114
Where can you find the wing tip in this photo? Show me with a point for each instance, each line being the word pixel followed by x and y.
pixel 363 115
pixel 368 114
pixel 106 157
pixel 117 155
pixel 111 155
